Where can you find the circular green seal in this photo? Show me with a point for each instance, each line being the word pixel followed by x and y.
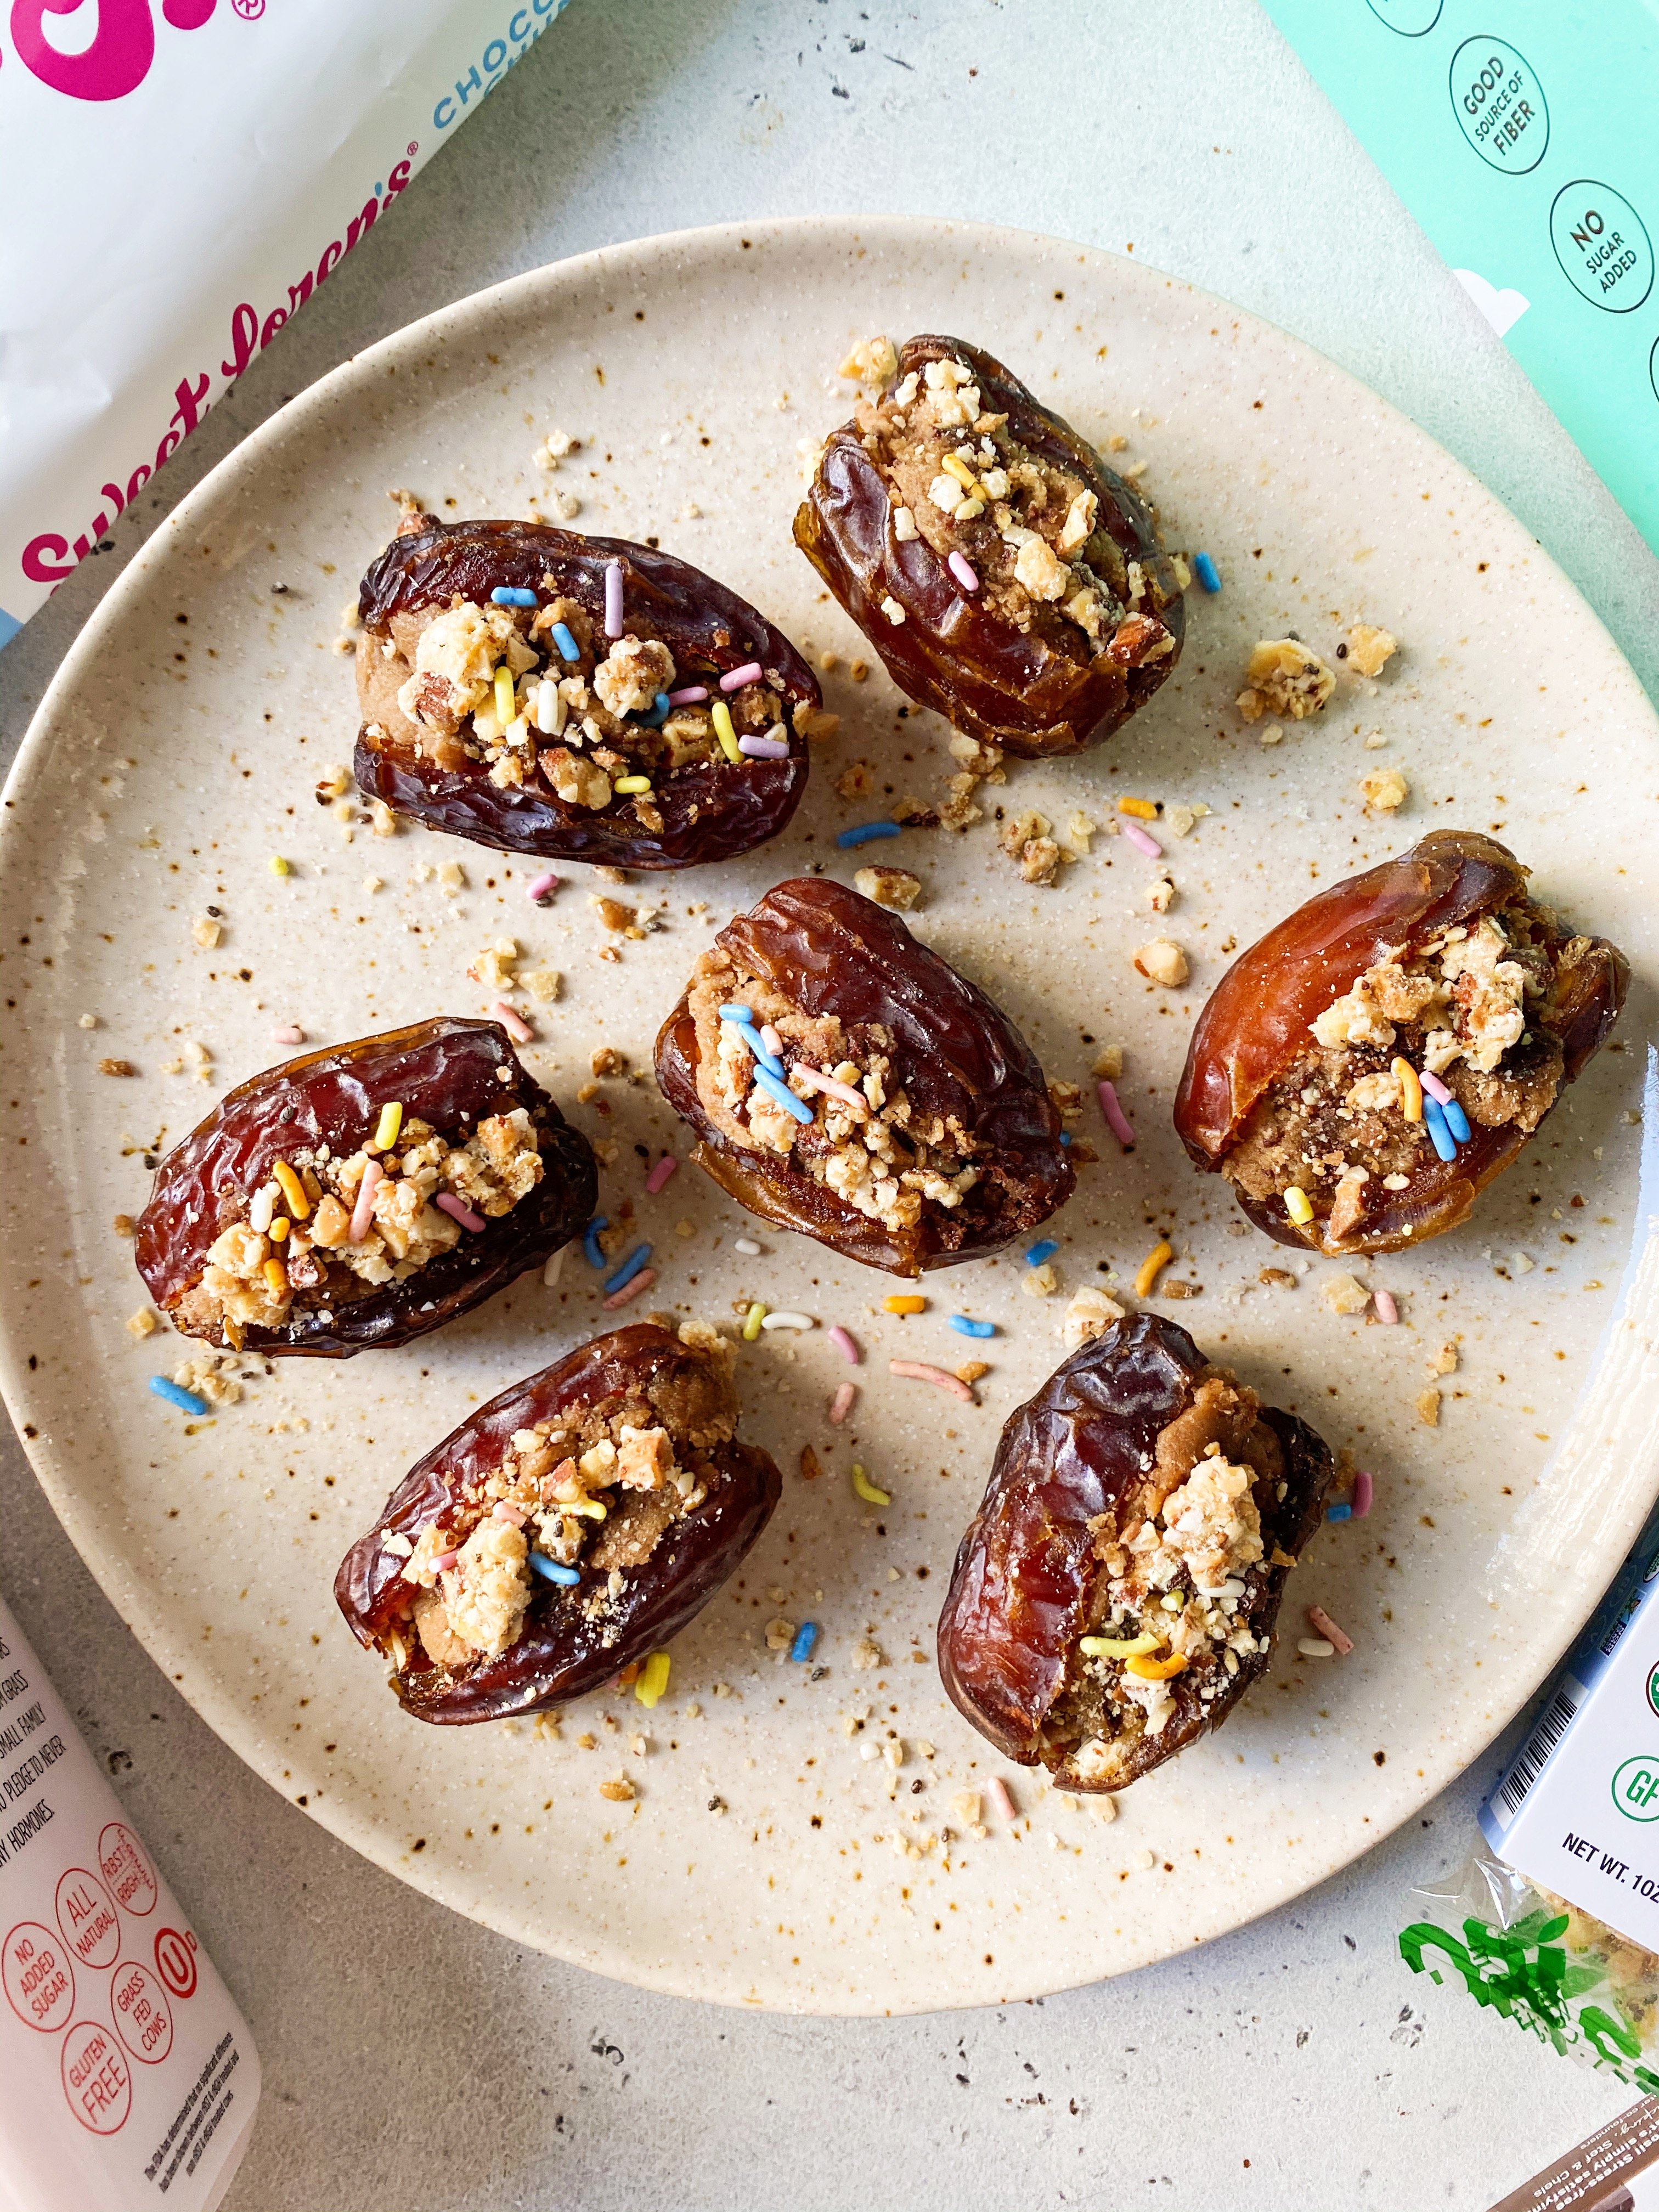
pixel 1636 1788
pixel 1411 18
pixel 1602 245
pixel 1653 1671
pixel 1499 104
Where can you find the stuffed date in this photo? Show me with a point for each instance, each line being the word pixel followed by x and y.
pixel 1115 1594
pixel 1365 1071
pixel 844 1081
pixel 1007 577
pixel 578 698
pixel 572 1526
pixel 363 1195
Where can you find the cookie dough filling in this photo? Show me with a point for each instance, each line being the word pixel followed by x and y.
pixel 1022 532
pixel 816 1090
pixel 1183 1565
pixel 1427 1042
pixel 539 692
pixel 574 1502
pixel 328 1226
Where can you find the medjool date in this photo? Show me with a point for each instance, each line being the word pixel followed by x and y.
pixel 1434 973
pixel 259 1235
pixel 1138 1473
pixel 571 1526
pixel 900 1118
pixel 503 697
pixel 1007 577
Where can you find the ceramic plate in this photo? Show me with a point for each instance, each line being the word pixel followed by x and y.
pixel 776 1854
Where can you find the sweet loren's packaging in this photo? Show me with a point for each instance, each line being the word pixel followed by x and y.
pixel 182 175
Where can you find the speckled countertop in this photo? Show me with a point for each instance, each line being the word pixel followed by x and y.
pixel 412 2058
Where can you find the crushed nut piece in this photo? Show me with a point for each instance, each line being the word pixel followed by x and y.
pixel 888 887
pixel 1285 678
pixel 1370 650
pixel 1163 962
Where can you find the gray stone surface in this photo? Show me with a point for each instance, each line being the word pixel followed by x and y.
pixel 413 2059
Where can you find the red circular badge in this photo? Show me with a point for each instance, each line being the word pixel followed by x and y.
pixel 175 1960
pixel 39 1978
pixel 143 2018
pixel 125 1866
pixel 97 2079
pixel 86 1915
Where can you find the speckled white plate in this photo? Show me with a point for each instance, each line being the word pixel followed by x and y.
pixel 768 1858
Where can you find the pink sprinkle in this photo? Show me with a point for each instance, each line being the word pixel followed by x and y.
pixel 1363 1489
pixel 735 678
pixel 443 1561
pixel 1387 1311
pixel 962 569
pixel 771 1040
pixel 458 1210
pixel 290 1033
pixel 660 1174
pixel 629 1291
pixel 918 1370
pixel 1435 1089
pixel 613 598
pixel 363 1211
pixel 541 891
pixel 815 1080
pixel 693 695
pixel 1140 840
pixel 847 1345
pixel 1117 1119
pixel 1002 1797
pixel 763 748
pixel 514 1023
pixel 507 1511
pixel 842 1403
pixel 1322 1624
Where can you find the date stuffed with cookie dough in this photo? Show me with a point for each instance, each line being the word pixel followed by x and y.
pixel 570 1527
pixel 1362 1073
pixel 1008 578
pixel 1116 1592
pixel 577 698
pixel 363 1195
pixel 845 1081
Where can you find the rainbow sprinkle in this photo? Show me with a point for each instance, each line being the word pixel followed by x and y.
pixel 293 1190
pixel 1456 1120
pixel 904 1302
pixel 1337 1512
pixel 630 1268
pixel 665 1167
pixel 807 1637
pixel 763 748
pixel 842 1403
pixel 550 1570
pixel 1152 1266
pixel 964 572
pixel 844 1344
pixel 1002 1798
pixel 613 598
pixel 540 893
pixel 569 648
pixel 363 1213
pixel 1434 1120
pixel 176 1394
pixel 752 1323
pixel 723 730
pixel 864 1488
pixel 816 1079
pixel 506 700
pixel 514 1023
pixel 866 833
pixel 1363 1492
pixel 1145 809
pixel 1319 1619
pixel 1411 1090
pixel 386 1128
pixel 590 1240
pixel 512 595
pixel 629 1291
pixel 458 1210
pixel 965 1326
pixel 690 695
pixel 1142 843
pixel 1045 1249
pixel 735 678
pixel 918 1370
pixel 653 1678
pixel 626 787
pixel 777 1090
pixel 1435 1089
pixel 1387 1311
pixel 1297 1205
pixel 1113 1115
pixel 1207 572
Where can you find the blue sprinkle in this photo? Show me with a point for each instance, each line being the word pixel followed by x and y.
pixel 1439 1135
pixel 630 1268
pixel 186 1400
pixel 566 644
pixel 591 1239
pixel 552 1571
pixel 512 595
pixel 1456 1120
pixel 1064 1140
pixel 1207 572
pixel 964 1327
pixel 1337 1512
pixel 736 1014
pixel 775 1088
pixel 806 1636
pixel 865 834
pixel 751 1037
pixel 1045 1250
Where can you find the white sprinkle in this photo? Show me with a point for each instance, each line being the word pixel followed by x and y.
pixel 788 1320
pixel 747 1246
pixel 1315 1647
pixel 555 1267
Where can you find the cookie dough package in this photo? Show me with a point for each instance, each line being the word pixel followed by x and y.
pixel 181 177
pixel 1530 161
pixel 1555 1924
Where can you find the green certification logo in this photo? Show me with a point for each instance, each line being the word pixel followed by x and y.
pixel 1499 105
pixel 1635 1787
pixel 1602 245
pixel 1653 1687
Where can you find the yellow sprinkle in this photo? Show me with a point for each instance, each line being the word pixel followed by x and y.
pixel 276 1276
pixel 1297 1205
pixel 1116 1647
pixel 278 1229
pixel 505 705
pixel 1406 1076
pixel 293 1190
pixel 1156 1670
pixel 1145 809
pixel 628 785
pixel 723 730
pixel 653 1678
pixel 954 465
pixel 1152 1266
pixel 752 1319
pixel 585 1509
pixel 866 1489
pixel 386 1128
pixel 279 866
pixel 904 1305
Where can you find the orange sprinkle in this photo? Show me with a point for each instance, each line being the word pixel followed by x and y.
pixel 1152 1266
pixel 1156 1670
pixel 904 1305
pixel 1145 809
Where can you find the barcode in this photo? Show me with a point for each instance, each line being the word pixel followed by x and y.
pixel 1553 1724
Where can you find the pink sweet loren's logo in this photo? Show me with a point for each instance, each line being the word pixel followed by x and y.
pixel 123 46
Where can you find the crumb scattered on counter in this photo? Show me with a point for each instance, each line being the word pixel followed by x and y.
pixel 1285 677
